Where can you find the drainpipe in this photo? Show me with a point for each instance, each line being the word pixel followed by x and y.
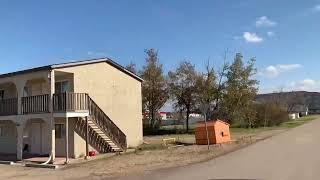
pixel 51 78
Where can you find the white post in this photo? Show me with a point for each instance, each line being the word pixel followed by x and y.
pixel 20 84
pixel 19 141
pixel 67 140
pixel 52 123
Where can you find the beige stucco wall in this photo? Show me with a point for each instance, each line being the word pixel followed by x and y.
pixel 8 142
pixel 117 94
pixel 10 90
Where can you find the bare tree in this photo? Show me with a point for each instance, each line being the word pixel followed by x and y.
pixel 132 67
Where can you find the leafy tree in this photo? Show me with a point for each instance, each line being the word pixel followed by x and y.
pixel 182 87
pixel 240 92
pixel 206 87
pixel 154 90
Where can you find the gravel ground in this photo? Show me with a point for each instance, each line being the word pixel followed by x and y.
pixel 132 163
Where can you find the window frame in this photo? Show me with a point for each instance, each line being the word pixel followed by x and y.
pixel 61 82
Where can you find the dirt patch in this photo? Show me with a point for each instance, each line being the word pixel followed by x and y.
pixel 137 162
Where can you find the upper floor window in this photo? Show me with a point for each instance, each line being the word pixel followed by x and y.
pixel 62 87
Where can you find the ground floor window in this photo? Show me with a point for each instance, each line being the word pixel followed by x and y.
pixel 60 131
pixel 6 130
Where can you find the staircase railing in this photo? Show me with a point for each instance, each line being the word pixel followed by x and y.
pixel 106 125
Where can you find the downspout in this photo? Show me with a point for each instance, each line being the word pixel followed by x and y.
pixel 51 81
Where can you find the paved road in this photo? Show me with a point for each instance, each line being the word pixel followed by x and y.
pixel 293 155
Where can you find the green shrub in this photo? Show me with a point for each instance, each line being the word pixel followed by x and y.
pixel 270 114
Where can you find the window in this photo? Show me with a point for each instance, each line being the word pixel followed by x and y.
pixel 1 94
pixel 60 131
pixel 62 87
pixel 6 131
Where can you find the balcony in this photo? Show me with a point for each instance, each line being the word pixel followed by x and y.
pixel 9 107
pixel 65 102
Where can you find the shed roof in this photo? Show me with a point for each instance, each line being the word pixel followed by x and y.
pixel 212 123
pixel 72 64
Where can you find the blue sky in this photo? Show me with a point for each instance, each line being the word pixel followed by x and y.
pixel 282 35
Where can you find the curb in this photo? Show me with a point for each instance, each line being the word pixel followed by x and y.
pixel 47 166
pixel 7 162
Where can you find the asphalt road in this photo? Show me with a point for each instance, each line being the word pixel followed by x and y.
pixel 293 155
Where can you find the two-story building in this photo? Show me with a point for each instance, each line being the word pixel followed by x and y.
pixel 69 109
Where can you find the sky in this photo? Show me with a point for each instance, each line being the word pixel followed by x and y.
pixel 284 36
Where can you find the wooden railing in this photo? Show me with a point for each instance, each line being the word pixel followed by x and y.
pixel 67 102
pixel 70 102
pixel 35 104
pixel 8 107
pixel 107 125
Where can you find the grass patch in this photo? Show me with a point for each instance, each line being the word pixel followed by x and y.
pixel 298 122
pixel 285 125
pixel 148 147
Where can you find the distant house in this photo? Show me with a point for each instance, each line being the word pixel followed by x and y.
pixel 195 115
pixel 300 110
pixel 163 115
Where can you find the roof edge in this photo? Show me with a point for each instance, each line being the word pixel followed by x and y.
pixel 72 64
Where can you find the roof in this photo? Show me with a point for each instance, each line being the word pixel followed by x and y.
pixel 212 123
pixel 72 64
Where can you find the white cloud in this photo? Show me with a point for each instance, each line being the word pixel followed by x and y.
pixel 237 37
pixel 274 71
pixel 316 8
pixel 271 33
pixel 252 37
pixel 304 85
pixel 299 85
pixel 264 21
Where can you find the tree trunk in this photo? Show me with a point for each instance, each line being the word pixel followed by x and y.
pixel 187 120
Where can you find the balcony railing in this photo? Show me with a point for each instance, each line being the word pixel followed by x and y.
pixel 70 102
pixel 35 104
pixel 61 103
pixel 8 107
pixel 40 104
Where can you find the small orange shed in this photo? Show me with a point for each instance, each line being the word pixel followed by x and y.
pixel 218 131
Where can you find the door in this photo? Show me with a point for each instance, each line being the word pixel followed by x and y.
pixel 61 87
pixel 36 138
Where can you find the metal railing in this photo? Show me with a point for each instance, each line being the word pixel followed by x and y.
pixel 9 106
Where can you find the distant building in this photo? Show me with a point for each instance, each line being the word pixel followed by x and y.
pixel 300 110
pixel 195 115
pixel 163 115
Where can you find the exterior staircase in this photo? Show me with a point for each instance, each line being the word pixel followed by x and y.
pixel 112 146
pixel 113 138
